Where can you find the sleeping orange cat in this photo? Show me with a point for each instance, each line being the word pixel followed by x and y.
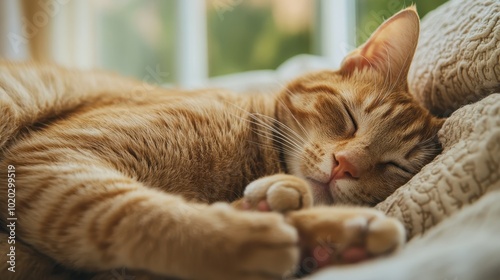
pixel 166 182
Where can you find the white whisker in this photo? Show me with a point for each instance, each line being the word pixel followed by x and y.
pixel 279 137
pixel 284 125
pixel 272 129
pixel 283 141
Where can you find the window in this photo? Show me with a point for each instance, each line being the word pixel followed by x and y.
pixel 250 35
pixel 136 38
pixel 184 42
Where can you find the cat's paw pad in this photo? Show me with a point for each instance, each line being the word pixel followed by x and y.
pixel 374 235
pixel 280 193
pixel 345 235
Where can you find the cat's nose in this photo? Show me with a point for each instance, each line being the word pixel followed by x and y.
pixel 344 168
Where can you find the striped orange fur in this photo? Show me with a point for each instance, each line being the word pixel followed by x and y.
pixel 111 175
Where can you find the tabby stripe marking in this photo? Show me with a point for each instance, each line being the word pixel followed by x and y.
pixel 101 237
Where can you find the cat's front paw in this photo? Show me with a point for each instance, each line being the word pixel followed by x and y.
pixel 338 235
pixel 252 246
pixel 280 193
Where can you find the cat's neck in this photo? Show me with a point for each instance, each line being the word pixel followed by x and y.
pixel 265 130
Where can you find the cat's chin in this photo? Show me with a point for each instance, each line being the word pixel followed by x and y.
pixel 322 194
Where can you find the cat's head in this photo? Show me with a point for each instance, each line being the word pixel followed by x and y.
pixel 356 133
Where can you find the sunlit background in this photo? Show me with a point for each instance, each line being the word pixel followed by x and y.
pixel 185 42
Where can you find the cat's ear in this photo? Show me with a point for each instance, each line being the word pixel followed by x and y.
pixel 390 48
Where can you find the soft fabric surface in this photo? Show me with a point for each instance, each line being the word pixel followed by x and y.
pixel 457 61
pixel 468 167
pixel 464 247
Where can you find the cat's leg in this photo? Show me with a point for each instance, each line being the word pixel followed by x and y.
pixel 338 235
pixel 328 235
pixel 278 193
pixel 90 217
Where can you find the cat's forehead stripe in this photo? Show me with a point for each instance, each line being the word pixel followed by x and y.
pixel 313 88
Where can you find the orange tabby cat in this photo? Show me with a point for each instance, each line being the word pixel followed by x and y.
pixel 109 176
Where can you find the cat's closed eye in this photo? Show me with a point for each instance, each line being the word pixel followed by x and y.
pixel 354 128
pixel 396 165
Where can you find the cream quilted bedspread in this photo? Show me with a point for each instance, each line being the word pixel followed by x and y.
pixel 468 167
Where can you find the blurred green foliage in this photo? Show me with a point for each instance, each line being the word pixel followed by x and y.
pixel 371 13
pixel 123 48
pixel 245 37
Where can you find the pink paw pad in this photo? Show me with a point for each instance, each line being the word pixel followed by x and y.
pixel 355 255
pixel 262 206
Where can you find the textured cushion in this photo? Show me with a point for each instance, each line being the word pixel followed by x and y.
pixel 464 247
pixel 457 61
pixel 468 167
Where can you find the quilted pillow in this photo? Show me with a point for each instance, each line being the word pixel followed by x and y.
pixel 457 61
pixel 468 167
